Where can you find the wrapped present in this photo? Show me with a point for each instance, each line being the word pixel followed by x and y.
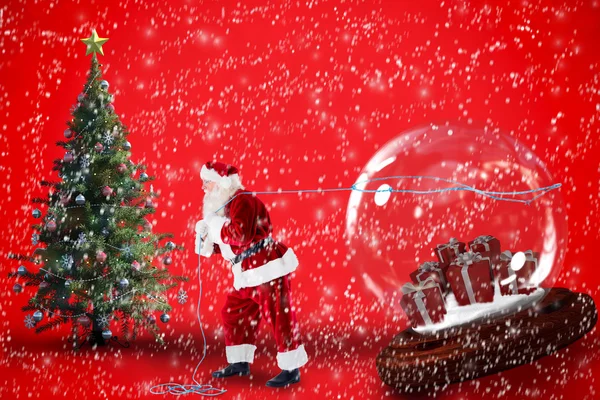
pixel 515 281
pixel 423 303
pixel 470 278
pixel 431 269
pixel 487 246
pixel 447 252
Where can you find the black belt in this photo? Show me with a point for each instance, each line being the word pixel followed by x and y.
pixel 252 250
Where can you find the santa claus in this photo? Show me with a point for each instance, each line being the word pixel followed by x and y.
pixel 237 225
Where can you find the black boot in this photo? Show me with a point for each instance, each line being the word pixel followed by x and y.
pixel 285 378
pixel 239 369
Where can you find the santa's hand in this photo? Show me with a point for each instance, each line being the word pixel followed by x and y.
pixel 201 228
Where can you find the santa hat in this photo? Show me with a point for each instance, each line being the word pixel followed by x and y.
pixel 223 174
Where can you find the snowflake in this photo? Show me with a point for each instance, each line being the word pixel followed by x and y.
pixel 85 161
pixel 29 321
pixel 103 320
pixel 35 238
pixel 81 240
pixel 127 251
pixel 182 297
pixel 108 139
pixel 67 261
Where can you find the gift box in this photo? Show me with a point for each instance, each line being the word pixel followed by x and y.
pixel 447 252
pixel 470 278
pixel 513 281
pixel 423 303
pixel 487 246
pixel 431 269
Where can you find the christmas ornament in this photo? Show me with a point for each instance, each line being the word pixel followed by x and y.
pixel 127 146
pixel 35 239
pixel 94 43
pixel 136 266
pixel 107 334
pixel 37 316
pixel 123 283
pixel 36 213
pixel 182 297
pixel 68 157
pixel 84 321
pixel 167 260
pixel 143 177
pixel 122 168
pixel 104 85
pixel 151 319
pixel 29 322
pixel 105 232
pixel 22 270
pixel 80 199
pixel 44 285
pixel 127 252
pixel 149 203
pixel 165 318
pixel 67 262
pixel 98 147
pixel 103 320
pixel 108 138
pixel 85 162
pixel 81 239
pixel 68 133
pixel 17 288
pixel 170 245
pixel 106 191
pixel 147 225
pixel 110 108
pixel 100 256
pixel 51 226
pixel 67 283
pixel 65 199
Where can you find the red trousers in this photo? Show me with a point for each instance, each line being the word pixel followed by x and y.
pixel 241 316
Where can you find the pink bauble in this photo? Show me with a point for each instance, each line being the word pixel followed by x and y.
pixel 106 191
pixel 68 133
pixel 98 147
pixel 68 157
pixel 84 321
pixel 100 256
pixel 122 168
pixel 110 108
pixel 136 265
pixel 44 285
pixel 51 226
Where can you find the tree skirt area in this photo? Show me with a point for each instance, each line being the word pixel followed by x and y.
pixel 341 366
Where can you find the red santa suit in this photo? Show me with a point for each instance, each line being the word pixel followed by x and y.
pixel 262 282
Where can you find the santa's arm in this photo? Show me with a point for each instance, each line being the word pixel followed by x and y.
pixel 238 231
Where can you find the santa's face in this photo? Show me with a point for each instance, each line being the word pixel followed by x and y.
pixel 214 198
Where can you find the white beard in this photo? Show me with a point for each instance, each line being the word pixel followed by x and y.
pixel 216 199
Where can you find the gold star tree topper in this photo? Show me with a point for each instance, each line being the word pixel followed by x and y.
pixel 94 43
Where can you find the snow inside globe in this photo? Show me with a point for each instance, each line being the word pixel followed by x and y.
pixel 453 224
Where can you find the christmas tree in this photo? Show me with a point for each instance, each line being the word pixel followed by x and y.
pixel 97 262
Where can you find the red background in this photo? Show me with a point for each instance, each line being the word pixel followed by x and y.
pixel 239 82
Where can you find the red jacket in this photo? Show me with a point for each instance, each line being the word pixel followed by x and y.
pixel 246 222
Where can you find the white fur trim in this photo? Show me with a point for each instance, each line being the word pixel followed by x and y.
pixel 226 251
pixel 213 176
pixel 240 353
pixel 265 273
pixel 292 359
pixel 215 224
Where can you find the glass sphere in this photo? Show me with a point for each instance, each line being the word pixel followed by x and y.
pixel 391 233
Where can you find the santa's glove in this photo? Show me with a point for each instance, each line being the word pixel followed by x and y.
pixel 201 228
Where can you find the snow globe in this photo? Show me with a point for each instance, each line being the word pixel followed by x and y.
pixel 464 232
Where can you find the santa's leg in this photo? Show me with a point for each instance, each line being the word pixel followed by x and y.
pixel 278 310
pixel 240 316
